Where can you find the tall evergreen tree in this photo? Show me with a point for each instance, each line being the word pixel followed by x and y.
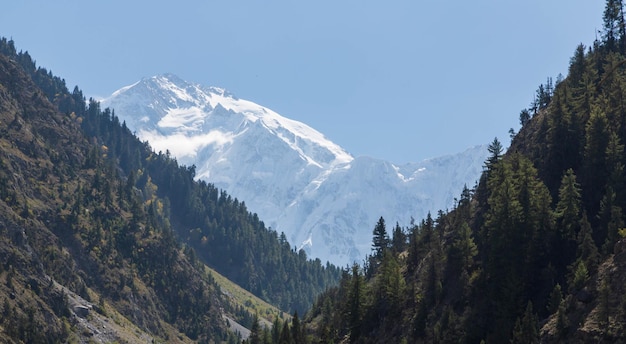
pixel 556 297
pixel 526 330
pixel 524 117
pixel 463 249
pixel 615 165
pixel 255 331
pixel 517 224
pixel 544 94
pixel 296 330
pixel 562 151
pixel 381 239
pixel 568 207
pixel 595 172
pixel 611 219
pixel 613 24
pixel 388 288
pixel 285 335
pixel 587 249
pixel 355 304
pixel 495 149
pixel 584 90
pixel 577 66
pixel 398 241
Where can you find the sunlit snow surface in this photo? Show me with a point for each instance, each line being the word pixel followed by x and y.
pixel 300 183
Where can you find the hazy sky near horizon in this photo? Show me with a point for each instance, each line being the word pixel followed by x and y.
pixel 396 80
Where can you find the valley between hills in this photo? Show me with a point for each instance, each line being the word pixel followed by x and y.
pixel 105 239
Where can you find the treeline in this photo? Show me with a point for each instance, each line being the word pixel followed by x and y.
pixel 71 223
pixel 219 229
pixel 85 204
pixel 533 251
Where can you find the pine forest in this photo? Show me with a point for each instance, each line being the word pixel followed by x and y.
pixel 103 239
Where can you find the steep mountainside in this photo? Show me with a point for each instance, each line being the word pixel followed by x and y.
pixel 103 240
pixel 299 182
pixel 73 255
pixel 536 253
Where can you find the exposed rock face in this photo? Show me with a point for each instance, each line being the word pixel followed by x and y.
pixel 595 311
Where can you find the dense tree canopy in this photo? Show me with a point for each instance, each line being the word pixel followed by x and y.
pixel 534 242
pixel 107 216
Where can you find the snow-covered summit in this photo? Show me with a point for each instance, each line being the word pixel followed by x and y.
pixel 166 106
pixel 299 182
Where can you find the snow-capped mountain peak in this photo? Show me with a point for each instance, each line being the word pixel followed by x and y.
pixel 325 200
pixel 201 116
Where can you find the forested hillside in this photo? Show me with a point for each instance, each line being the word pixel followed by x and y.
pixel 220 229
pixel 96 228
pixel 534 251
pixel 70 226
pixel 103 239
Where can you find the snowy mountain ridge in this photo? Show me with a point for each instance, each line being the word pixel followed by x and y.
pixel 179 109
pixel 325 200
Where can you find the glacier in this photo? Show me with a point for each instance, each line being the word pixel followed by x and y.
pixel 325 200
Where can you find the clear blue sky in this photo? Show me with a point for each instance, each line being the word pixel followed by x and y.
pixel 397 80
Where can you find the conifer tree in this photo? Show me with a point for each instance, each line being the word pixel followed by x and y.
pixel 502 223
pixel 587 250
pixel 615 165
pixel 495 149
pixel 517 223
pixel 562 150
pixel 463 248
pixel 285 335
pixel 381 239
pixel 413 249
pixel 615 160
pixel 389 287
pixel 524 117
pixel 597 138
pixel 267 339
pixel 613 25
pixel 556 297
pixel 542 98
pixel 584 91
pixel 577 66
pixel 355 304
pixel 275 331
pixel 562 320
pixel 568 207
pixel 579 276
pixel 255 331
pixel 544 94
pixel 611 219
pixel 398 241
pixel 296 329
pixel 526 329
pixel 461 256
pixel 613 87
pixel 463 208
